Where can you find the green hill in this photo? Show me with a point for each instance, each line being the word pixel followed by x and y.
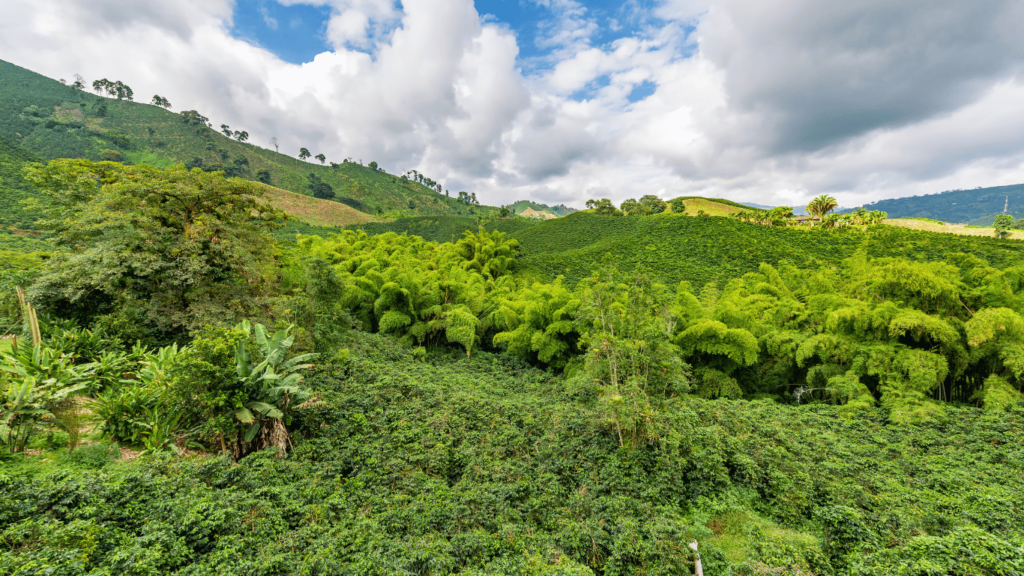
pixel 977 207
pixel 56 121
pixel 701 250
pixel 440 228
pixel 531 208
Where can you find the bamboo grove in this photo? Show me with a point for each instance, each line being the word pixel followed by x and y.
pixel 909 335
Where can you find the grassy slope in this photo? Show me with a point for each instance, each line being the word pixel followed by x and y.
pixel 701 250
pixel 711 206
pixel 485 466
pixel 937 226
pixel 158 137
pixel 315 211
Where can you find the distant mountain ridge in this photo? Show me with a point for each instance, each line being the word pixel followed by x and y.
pixel 978 207
pixel 536 210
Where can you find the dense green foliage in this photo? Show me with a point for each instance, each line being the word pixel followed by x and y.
pixel 978 206
pixel 14 188
pixel 442 228
pixel 485 466
pixel 171 249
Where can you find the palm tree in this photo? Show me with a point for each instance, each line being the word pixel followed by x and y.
pixel 822 205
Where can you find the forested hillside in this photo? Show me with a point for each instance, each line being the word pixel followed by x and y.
pixel 978 207
pixel 54 120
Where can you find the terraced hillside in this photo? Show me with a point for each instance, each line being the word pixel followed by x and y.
pixel 56 121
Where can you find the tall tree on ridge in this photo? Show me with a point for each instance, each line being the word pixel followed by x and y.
pixel 822 205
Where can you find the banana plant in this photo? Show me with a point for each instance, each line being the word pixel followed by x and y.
pixel 273 382
pixel 27 401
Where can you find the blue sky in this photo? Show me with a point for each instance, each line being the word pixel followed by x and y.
pixel 296 33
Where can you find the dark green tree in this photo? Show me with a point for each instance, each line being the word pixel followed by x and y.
pixel 303 153
pixel 321 158
pixel 319 188
pixel 651 204
pixel 603 207
pixel 186 248
pixel 1003 224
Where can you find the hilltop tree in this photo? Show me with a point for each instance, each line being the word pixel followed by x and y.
pixel 321 158
pixel 822 205
pixel 1002 225
pixel 79 83
pixel 630 207
pixel 122 91
pixel 99 86
pixel 678 206
pixel 241 135
pixel 651 204
pixel 180 248
pixel 160 101
pixel 603 207
pixel 373 165
pixel 304 153
pixel 225 130
pixel 274 142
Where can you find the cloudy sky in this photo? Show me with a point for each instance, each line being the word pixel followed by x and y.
pixel 767 101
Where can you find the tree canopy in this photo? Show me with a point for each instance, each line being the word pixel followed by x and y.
pixel 179 248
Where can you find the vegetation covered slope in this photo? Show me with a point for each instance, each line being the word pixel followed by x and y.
pixel 441 228
pixel 702 250
pixel 978 206
pixel 486 466
pixel 14 188
pixel 711 207
pixel 314 211
pixel 426 408
pixel 57 121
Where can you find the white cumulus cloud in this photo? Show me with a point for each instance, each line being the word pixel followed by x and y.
pixel 771 101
